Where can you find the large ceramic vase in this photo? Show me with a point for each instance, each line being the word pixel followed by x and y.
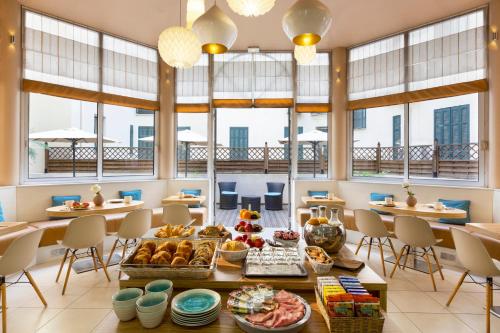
pixel 98 199
pixel 411 201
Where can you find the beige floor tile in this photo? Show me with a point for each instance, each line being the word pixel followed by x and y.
pixel 478 322
pixel 399 323
pixel 75 321
pixel 412 301
pixel 442 323
pixel 462 302
pixel 52 296
pixel 391 307
pixel 96 298
pixel 28 320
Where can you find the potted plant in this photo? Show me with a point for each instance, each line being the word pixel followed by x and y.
pixel 98 198
pixel 411 201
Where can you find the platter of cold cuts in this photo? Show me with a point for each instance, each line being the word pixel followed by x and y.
pixel 260 309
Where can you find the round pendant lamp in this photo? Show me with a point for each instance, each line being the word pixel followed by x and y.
pixel 179 47
pixel 306 22
pixel 304 54
pixel 216 31
pixel 251 7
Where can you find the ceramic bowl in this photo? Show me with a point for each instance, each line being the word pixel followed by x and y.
pixel 152 302
pixel 160 286
pixel 151 319
pixel 234 255
pixel 124 303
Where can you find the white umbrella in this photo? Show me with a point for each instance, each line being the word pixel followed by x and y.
pixel 73 135
pixel 313 137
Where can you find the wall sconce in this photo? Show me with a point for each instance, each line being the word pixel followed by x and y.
pixel 494 36
pixel 12 39
pixel 338 75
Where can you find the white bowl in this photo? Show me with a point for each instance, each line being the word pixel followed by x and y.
pixel 151 320
pixel 234 255
pixel 160 286
pixel 124 303
pixel 153 302
pixel 288 242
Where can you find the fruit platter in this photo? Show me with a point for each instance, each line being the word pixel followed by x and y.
pixel 248 227
pixel 249 215
pixel 80 205
pixel 260 308
pixel 287 238
pixel 252 241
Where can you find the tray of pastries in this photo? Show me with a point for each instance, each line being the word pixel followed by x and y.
pixel 175 258
pixel 175 231
pixel 217 231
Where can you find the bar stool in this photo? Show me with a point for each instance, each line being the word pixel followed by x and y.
pixel 85 232
pixel 416 233
pixel 476 260
pixel 18 256
pixel 371 225
pixel 177 214
pixel 134 225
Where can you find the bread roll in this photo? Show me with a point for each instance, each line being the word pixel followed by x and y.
pixel 161 258
pixel 141 259
pixel 150 245
pixel 179 261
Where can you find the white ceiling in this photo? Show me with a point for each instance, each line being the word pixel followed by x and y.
pixel 354 21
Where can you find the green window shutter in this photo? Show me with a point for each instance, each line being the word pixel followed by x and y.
pixel 131 141
pixel 238 142
pixel 396 131
pixel 452 127
pixel 359 119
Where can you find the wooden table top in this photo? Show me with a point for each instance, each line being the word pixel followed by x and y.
pixel 488 229
pixel 311 201
pixel 106 208
pixel 174 199
pixel 421 210
pixel 8 227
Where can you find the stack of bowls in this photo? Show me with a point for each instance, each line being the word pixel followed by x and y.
pixel 160 286
pixel 195 307
pixel 124 303
pixel 151 309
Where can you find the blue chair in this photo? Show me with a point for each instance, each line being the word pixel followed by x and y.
pixel 192 191
pixel 2 218
pixel 317 193
pixel 135 194
pixel 273 199
pixel 380 197
pixel 58 200
pixel 228 195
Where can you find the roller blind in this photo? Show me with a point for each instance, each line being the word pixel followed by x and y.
pixel 60 53
pixel 313 80
pixel 377 68
pixel 448 52
pixel 191 84
pixel 129 69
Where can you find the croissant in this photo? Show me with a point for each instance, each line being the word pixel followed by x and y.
pixel 179 261
pixel 150 245
pixel 161 258
pixel 141 259
pixel 186 242
pixel 167 246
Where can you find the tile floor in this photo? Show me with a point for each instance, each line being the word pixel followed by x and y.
pixel 86 307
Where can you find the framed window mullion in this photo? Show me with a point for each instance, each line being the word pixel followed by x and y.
pixel 406 143
pixel 100 115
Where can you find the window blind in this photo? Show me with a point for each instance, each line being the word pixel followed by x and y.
pixel 377 68
pixel 313 80
pixel 129 69
pixel 233 78
pixel 191 84
pixel 60 53
pixel 273 75
pixel 448 52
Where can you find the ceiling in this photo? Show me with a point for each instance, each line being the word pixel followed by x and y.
pixel 354 21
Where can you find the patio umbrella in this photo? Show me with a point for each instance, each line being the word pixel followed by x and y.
pixel 314 137
pixel 72 135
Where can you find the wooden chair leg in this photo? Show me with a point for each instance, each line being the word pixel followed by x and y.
pixel 112 252
pixel 62 264
pixel 102 263
pixel 392 247
pixel 123 256
pixel 406 257
pixel 3 291
pixel 34 285
pixel 437 263
pixel 459 284
pixel 71 261
pixel 489 300
pixel 381 255
pixel 396 265
pixel 370 248
pixel 426 256
pixel 94 260
pixel 359 245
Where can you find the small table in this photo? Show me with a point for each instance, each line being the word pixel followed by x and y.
pixel 312 201
pixel 174 199
pixel 488 229
pixel 106 208
pixel 250 200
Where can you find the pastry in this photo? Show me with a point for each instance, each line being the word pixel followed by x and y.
pixel 167 246
pixel 141 259
pixel 179 261
pixel 161 258
pixel 151 245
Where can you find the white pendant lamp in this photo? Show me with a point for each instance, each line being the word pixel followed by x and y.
pixel 304 54
pixel 179 47
pixel 251 7
pixel 216 31
pixel 306 22
pixel 195 8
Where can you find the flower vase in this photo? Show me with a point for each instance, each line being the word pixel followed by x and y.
pixel 411 201
pixel 98 199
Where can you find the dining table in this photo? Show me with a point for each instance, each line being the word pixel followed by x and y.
pixel 185 200
pixel 111 206
pixel 488 229
pixel 311 201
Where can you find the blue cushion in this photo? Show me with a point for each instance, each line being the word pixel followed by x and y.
pixel 195 192
pixel 229 193
pixel 459 204
pixel 135 194
pixel 273 194
pixel 2 218
pixel 58 200
pixel 317 193
pixel 374 196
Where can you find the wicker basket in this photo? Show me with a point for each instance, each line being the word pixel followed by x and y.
pixel 350 324
pixel 318 267
pixel 151 271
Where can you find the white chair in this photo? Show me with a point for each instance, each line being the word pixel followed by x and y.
pixel 371 225
pixel 134 225
pixel 85 232
pixel 177 214
pixel 416 233
pixel 18 256
pixel 477 261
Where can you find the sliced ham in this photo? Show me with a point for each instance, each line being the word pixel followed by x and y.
pixel 259 318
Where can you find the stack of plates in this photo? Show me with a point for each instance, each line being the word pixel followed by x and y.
pixel 195 307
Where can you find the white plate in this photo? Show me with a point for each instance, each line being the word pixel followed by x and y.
pixel 115 200
pixel 188 293
pixel 197 316
pixel 198 323
pixel 195 321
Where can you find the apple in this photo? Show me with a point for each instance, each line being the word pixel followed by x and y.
pixel 239 239
pixel 241 229
pixel 248 228
pixel 259 242
pixel 249 242
pixel 245 237
pixel 243 223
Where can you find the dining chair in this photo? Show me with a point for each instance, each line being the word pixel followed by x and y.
pixel 476 260
pixel 371 226
pixel 85 232
pixel 228 197
pixel 134 225
pixel 16 258
pixel 273 199
pixel 416 233
pixel 177 214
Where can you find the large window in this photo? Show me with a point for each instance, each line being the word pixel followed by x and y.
pixel 192 151
pixel 312 141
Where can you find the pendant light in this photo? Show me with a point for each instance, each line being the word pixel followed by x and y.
pixel 179 47
pixel 251 7
pixel 195 8
pixel 216 31
pixel 304 54
pixel 306 22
